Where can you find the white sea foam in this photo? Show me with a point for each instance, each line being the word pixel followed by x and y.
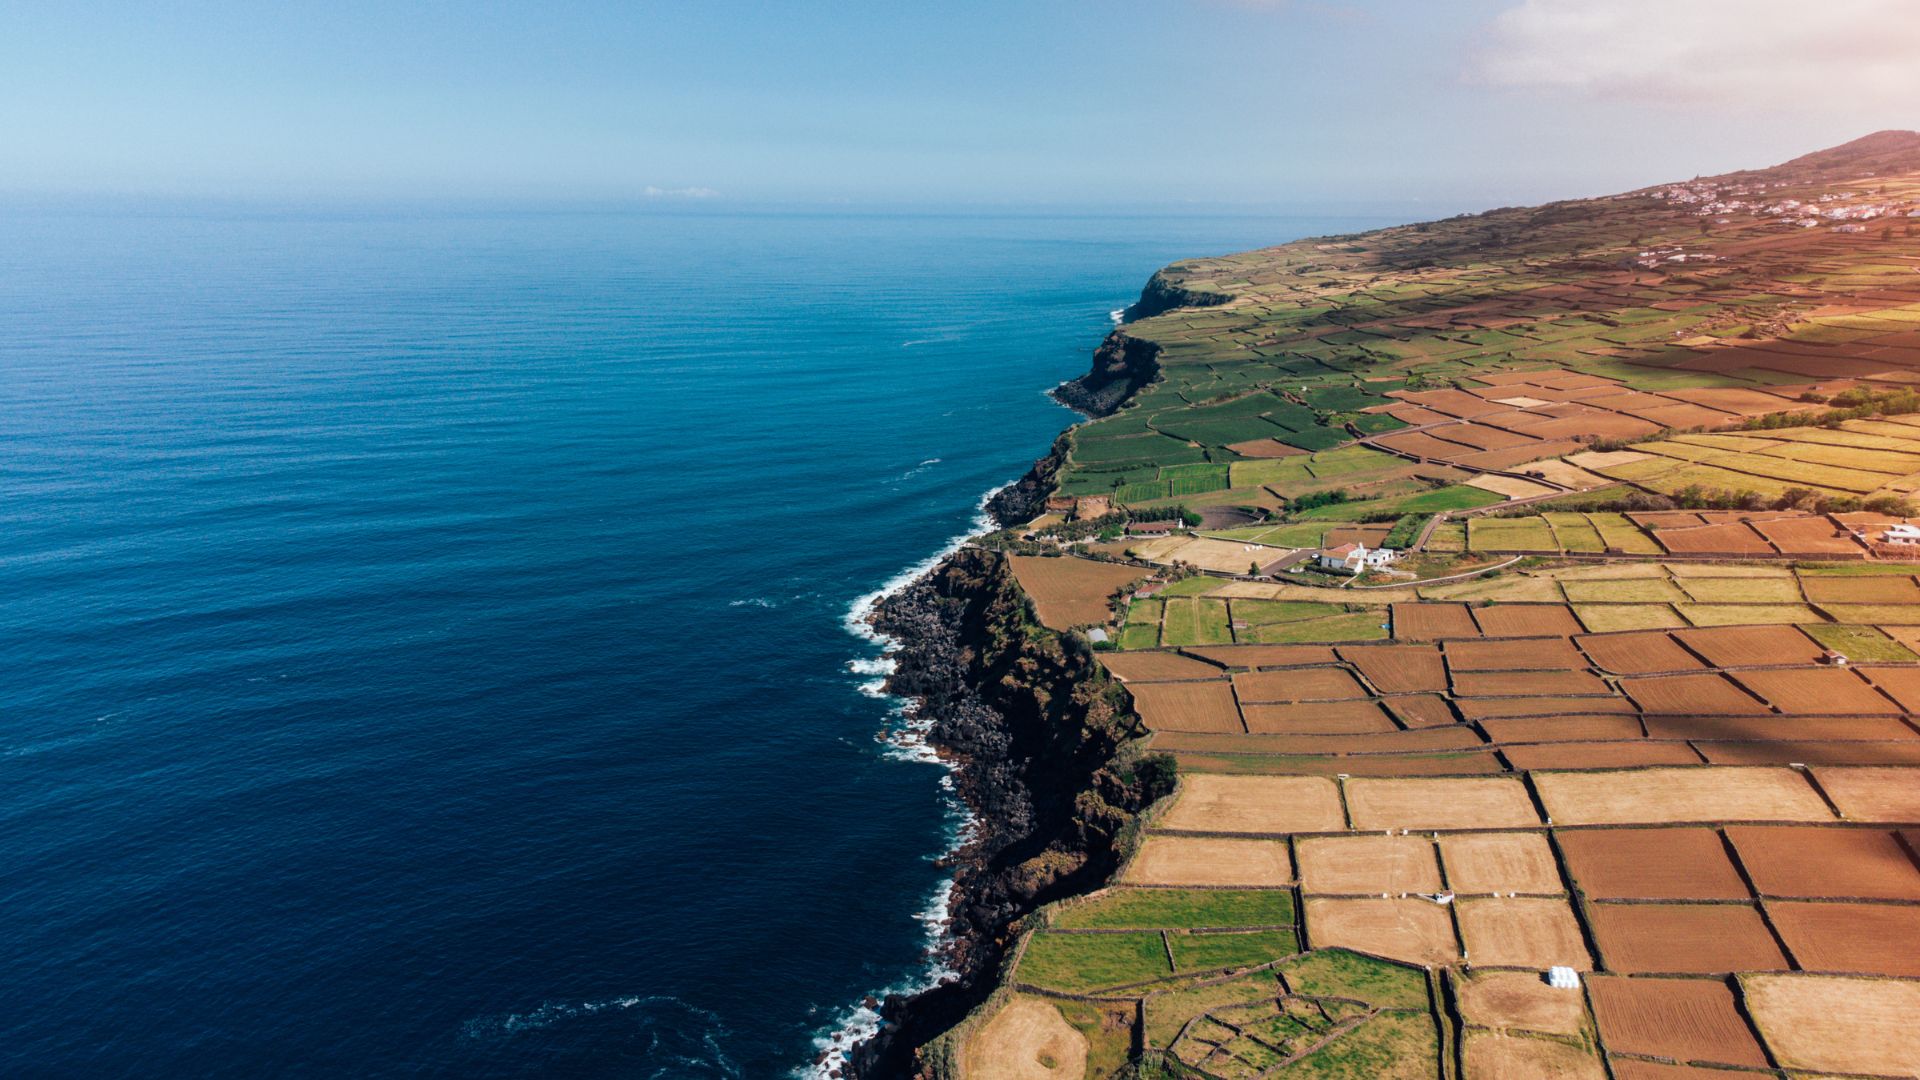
pixel 905 739
pixel 860 613
pixel 862 1022
pixel 684 1040
pixel 1118 315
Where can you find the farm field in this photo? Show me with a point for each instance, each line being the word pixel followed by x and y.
pixel 1342 786
pixel 1671 740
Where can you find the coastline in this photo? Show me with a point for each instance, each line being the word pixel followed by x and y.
pixel 931 666
pixel 907 739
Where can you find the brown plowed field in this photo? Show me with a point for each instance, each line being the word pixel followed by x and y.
pixel 1209 861
pixel 1265 656
pixel 1863 939
pixel 1528 684
pixel 1299 684
pixel 1156 666
pixel 1864 864
pixel 1683 939
pixel 1395 741
pixel 1256 804
pixel 1422 444
pixel 1460 763
pixel 1563 729
pixel 1761 728
pixel 1524 932
pixel 1691 695
pixel 1490 1055
pixel 1631 1069
pixel 1808 536
pixel 1368 865
pixel 1873 794
pixel 1713 540
pixel 1902 683
pixel 1068 592
pixel 1500 862
pixel 1867 589
pixel 1417 931
pixel 1318 718
pixel 1650 864
pixel 1661 796
pixel 1202 706
pixel 1599 755
pixel 1811 753
pixel 1837 1025
pixel 1750 646
pixel 1419 740
pixel 1526 620
pixel 1421 710
pixel 1431 622
pixel 1264 448
pixel 1399 669
pixel 1638 652
pixel 1513 654
pixel 1519 1001
pixel 1816 691
pixel 1682 1019
pixel 1465 803
pixel 1488 708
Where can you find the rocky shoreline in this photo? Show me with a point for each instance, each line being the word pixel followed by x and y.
pixel 1033 722
pixel 1035 725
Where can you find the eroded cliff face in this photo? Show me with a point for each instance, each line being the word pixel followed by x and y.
pixel 1025 498
pixel 1163 294
pixel 1121 365
pixel 1038 726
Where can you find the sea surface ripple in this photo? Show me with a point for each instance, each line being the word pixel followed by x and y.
pixel 424 634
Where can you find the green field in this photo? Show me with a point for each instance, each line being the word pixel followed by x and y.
pixel 1195 621
pixel 1861 644
pixel 1211 951
pixel 1076 963
pixel 1127 909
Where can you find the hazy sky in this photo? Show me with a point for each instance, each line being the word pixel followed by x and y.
pixel 1454 103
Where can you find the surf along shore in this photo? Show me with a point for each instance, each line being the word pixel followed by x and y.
pixel 1249 804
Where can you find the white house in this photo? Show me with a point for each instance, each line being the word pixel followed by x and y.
pixel 1354 558
pixel 1904 535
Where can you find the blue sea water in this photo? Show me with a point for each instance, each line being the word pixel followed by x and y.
pixel 422 636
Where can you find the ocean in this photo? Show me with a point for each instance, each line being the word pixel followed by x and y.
pixel 424 637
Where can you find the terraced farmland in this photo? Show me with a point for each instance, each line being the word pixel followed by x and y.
pixel 1661 727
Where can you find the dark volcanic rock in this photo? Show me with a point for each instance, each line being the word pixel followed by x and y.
pixel 1121 365
pixel 1162 295
pixel 1035 724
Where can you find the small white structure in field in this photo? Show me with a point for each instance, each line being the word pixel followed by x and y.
pixel 1563 978
pixel 1356 557
pixel 1906 535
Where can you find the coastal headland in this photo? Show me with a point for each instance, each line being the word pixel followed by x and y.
pixel 1486 647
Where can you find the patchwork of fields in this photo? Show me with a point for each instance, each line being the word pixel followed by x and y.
pixel 1667 744
pixel 1383 838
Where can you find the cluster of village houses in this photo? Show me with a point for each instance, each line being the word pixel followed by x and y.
pixel 1834 208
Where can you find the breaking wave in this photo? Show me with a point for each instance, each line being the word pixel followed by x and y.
pixel 905 739
pixel 681 1041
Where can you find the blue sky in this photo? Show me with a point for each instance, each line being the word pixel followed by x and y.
pixel 1303 103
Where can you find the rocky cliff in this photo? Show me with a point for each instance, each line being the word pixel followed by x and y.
pixel 1163 293
pixel 1121 365
pixel 1039 729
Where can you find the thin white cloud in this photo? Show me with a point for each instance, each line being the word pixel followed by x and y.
pixel 1848 56
pixel 653 192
